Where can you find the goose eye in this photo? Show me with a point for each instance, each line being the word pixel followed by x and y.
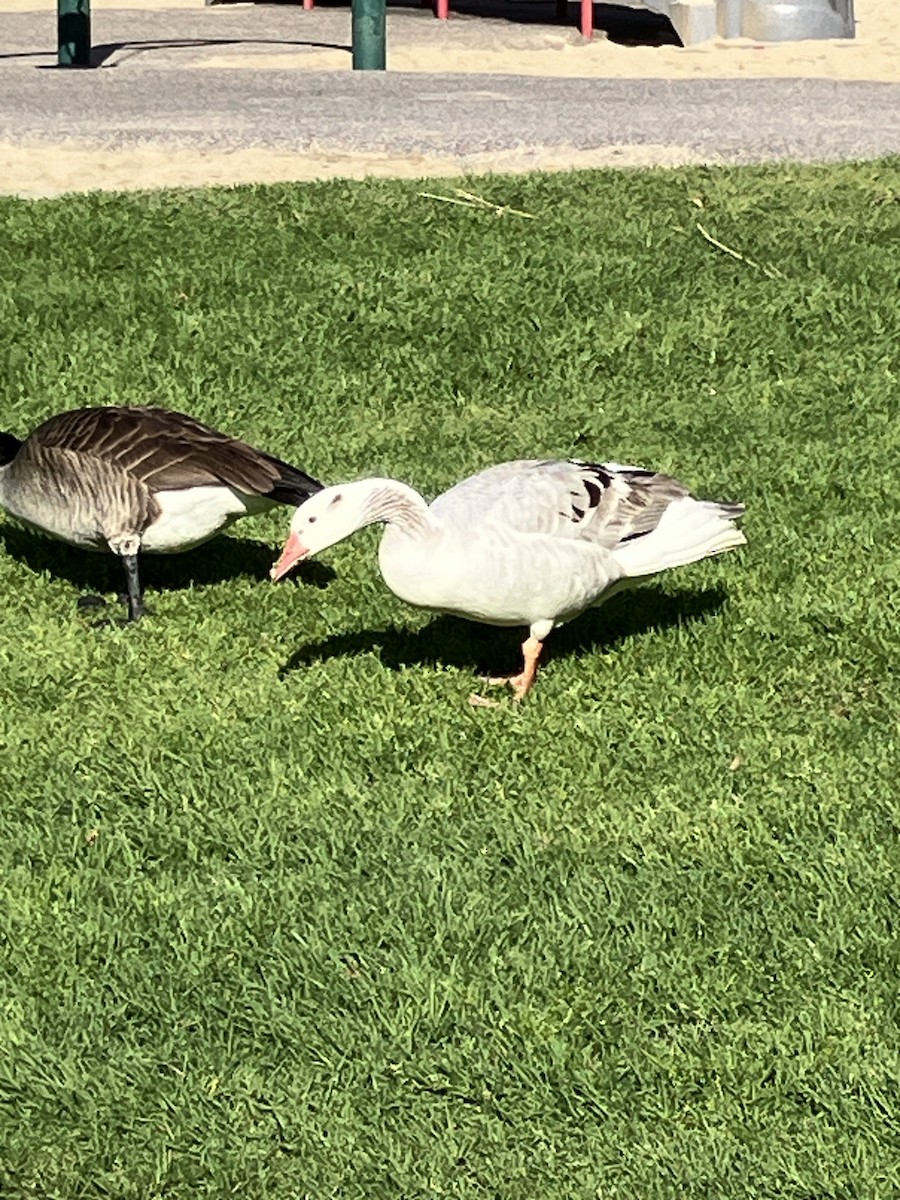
pixel 312 520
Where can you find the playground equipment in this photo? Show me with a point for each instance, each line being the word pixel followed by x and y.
pixel 368 34
pixel 762 20
pixel 693 21
pixel 73 39
pixel 700 20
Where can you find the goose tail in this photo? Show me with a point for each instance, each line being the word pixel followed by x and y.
pixel 688 530
pixel 293 486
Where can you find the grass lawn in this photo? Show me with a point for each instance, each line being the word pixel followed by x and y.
pixel 281 916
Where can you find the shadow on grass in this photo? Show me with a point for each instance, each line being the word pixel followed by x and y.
pixel 222 559
pixel 454 642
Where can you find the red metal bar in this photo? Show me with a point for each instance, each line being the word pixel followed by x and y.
pixel 587 18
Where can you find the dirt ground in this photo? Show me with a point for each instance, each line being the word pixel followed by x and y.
pixel 466 44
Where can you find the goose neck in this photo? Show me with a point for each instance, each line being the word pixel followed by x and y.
pixel 399 506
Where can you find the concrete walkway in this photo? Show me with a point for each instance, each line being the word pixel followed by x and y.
pixel 155 88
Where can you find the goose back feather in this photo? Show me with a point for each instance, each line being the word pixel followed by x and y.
pixel 165 451
pixel 602 503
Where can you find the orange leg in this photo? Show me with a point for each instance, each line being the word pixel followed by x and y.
pixel 522 683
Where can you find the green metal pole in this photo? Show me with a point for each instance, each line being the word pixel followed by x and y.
pixel 368 34
pixel 74 33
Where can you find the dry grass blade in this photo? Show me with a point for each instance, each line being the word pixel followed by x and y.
pixel 771 272
pixel 472 200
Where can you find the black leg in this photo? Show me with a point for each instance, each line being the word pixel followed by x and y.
pixel 135 598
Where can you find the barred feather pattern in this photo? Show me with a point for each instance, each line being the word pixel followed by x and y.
pixel 96 475
pixel 168 450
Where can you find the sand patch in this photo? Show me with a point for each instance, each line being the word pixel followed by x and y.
pixel 473 45
pixel 49 169
pixel 577 59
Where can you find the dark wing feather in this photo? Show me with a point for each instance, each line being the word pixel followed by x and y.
pixel 613 504
pixel 167 451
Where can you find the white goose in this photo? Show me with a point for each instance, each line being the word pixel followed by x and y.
pixel 126 479
pixel 531 543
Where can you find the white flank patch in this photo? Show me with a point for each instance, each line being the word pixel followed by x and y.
pixel 193 515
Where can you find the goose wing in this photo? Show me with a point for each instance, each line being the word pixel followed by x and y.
pixel 169 451
pixel 602 503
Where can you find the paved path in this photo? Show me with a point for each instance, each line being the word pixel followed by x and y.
pixel 150 90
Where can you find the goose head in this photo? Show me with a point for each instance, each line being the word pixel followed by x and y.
pixel 326 519
pixel 336 512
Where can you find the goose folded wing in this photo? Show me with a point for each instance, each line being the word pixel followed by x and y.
pixel 604 504
pixel 169 451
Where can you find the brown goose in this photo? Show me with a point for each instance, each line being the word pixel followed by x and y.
pixel 131 479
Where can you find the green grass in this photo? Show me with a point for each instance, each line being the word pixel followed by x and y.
pixel 280 915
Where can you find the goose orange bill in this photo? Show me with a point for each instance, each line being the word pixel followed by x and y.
pixel 293 552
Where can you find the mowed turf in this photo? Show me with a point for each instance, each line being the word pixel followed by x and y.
pixel 281 916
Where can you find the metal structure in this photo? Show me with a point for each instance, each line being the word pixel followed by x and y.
pixel 763 20
pixel 693 21
pixel 785 22
pixel 73 37
pixel 368 34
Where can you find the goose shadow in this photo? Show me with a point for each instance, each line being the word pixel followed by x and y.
pixel 455 642
pixel 217 561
